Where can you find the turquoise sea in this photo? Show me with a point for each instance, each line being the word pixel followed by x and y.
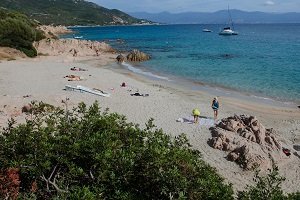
pixel 263 60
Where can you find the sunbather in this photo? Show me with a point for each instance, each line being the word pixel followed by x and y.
pixel 74 78
pixel 77 69
pixel 138 94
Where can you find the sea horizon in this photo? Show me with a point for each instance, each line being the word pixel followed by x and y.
pixel 262 61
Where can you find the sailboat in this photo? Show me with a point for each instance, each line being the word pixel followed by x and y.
pixel 228 30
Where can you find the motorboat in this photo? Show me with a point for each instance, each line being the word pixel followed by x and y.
pixel 206 30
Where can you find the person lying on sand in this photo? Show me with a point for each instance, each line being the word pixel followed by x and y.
pixel 140 95
pixel 77 69
pixel 74 78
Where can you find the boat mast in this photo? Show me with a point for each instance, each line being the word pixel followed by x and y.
pixel 230 19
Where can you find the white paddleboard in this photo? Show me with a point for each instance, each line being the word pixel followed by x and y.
pixel 89 90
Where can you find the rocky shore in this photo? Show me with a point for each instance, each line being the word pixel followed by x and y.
pixel 71 47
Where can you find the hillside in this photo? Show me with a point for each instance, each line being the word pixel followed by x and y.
pixel 219 17
pixel 69 12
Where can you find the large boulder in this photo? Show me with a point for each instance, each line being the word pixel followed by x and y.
pixel 247 142
pixel 137 56
pixel 120 58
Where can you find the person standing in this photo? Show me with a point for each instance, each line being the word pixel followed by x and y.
pixel 215 106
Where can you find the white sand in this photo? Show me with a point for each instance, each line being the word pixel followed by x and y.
pixel 43 79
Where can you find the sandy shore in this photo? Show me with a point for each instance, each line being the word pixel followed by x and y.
pixel 41 79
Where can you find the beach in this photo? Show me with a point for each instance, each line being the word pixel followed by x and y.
pixel 42 79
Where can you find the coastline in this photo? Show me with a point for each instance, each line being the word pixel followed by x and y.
pixel 213 90
pixel 42 79
pixel 254 73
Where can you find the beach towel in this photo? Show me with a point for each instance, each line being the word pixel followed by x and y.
pixel 208 122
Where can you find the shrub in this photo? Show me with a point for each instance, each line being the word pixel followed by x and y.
pixel 30 51
pixel 17 31
pixel 89 154
pixel 39 35
pixel 267 188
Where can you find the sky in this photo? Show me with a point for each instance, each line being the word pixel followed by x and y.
pixel 177 6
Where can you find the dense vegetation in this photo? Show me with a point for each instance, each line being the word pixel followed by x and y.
pixel 17 31
pixel 89 154
pixel 69 12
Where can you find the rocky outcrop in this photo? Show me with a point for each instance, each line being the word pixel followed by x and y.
pixel 56 30
pixel 51 31
pixel 137 56
pixel 71 47
pixel 27 108
pixel 247 142
pixel 120 58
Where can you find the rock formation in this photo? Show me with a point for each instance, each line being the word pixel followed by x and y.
pixel 137 56
pixel 71 47
pixel 248 142
pixel 120 58
pixel 51 31
pixel 27 108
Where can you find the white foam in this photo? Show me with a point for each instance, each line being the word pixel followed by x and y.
pixel 139 71
pixel 264 98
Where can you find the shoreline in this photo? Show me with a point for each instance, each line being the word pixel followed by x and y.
pixel 214 90
pixel 261 90
pixel 239 101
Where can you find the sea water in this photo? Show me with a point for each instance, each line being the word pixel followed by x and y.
pixel 263 60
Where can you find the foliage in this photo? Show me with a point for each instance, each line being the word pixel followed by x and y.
pixel 267 188
pixel 89 154
pixel 9 183
pixel 17 31
pixel 294 196
pixel 69 12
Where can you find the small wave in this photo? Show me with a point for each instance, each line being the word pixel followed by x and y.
pixel 139 71
pixel 264 98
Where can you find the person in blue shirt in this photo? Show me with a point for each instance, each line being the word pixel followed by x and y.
pixel 215 106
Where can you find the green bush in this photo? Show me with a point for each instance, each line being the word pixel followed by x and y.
pixel 30 52
pixel 89 154
pixel 39 35
pixel 267 188
pixel 17 31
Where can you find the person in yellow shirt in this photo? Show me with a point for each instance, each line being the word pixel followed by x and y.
pixel 196 114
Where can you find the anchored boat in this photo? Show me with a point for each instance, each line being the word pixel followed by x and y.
pixel 229 29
